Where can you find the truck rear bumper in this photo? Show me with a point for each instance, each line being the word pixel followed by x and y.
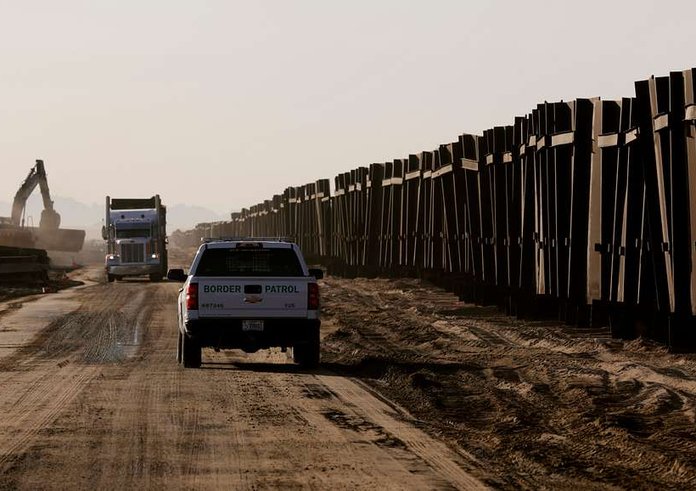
pixel 134 269
pixel 228 333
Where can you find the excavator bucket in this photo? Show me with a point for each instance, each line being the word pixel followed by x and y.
pixel 61 239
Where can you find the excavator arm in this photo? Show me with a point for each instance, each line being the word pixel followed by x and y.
pixel 48 235
pixel 50 219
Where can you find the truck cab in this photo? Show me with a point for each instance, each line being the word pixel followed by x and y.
pixel 136 238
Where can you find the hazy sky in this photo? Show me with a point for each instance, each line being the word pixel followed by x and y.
pixel 224 103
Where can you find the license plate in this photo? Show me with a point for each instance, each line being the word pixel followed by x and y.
pixel 252 325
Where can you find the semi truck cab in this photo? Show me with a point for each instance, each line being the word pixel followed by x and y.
pixel 136 238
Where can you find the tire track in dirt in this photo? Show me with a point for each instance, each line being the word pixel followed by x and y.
pixel 136 433
pixel 396 428
pixel 360 432
pixel 145 436
pixel 40 403
pixel 44 376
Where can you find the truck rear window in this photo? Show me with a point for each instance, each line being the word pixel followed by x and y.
pixel 249 262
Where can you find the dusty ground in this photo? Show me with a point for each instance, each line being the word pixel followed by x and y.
pixel 57 280
pixel 92 398
pixel 538 405
pixel 416 391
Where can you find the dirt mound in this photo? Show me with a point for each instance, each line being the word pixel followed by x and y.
pixel 538 404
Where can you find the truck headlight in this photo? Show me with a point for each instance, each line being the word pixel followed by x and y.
pixel 155 256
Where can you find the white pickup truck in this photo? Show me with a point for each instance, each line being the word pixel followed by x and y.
pixel 248 294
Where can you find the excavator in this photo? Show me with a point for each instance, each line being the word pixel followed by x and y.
pixel 14 232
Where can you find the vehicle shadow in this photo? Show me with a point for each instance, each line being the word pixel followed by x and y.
pixel 265 367
pixel 368 368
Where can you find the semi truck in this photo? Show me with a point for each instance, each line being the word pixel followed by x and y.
pixel 135 232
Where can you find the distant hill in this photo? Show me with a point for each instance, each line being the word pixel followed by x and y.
pixel 75 214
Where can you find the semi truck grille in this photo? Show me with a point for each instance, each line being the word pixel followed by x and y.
pixel 132 253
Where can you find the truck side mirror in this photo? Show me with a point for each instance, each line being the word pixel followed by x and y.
pixel 104 235
pixel 316 272
pixel 176 275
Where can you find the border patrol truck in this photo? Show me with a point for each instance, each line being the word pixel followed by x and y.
pixel 248 294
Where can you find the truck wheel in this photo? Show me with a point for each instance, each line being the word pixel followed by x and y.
pixel 308 354
pixel 191 352
pixel 155 277
pixel 110 278
pixel 179 346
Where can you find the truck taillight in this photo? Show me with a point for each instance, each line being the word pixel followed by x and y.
pixel 312 296
pixel 192 296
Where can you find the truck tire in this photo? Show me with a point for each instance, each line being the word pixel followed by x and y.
pixel 179 346
pixel 110 278
pixel 308 354
pixel 155 277
pixel 191 352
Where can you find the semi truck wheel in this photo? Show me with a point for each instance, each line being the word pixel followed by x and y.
pixel 110 278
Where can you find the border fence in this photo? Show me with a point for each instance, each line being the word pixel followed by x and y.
pixel 580 210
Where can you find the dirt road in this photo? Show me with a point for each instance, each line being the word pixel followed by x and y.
pixel 91 397
pixel 416 391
